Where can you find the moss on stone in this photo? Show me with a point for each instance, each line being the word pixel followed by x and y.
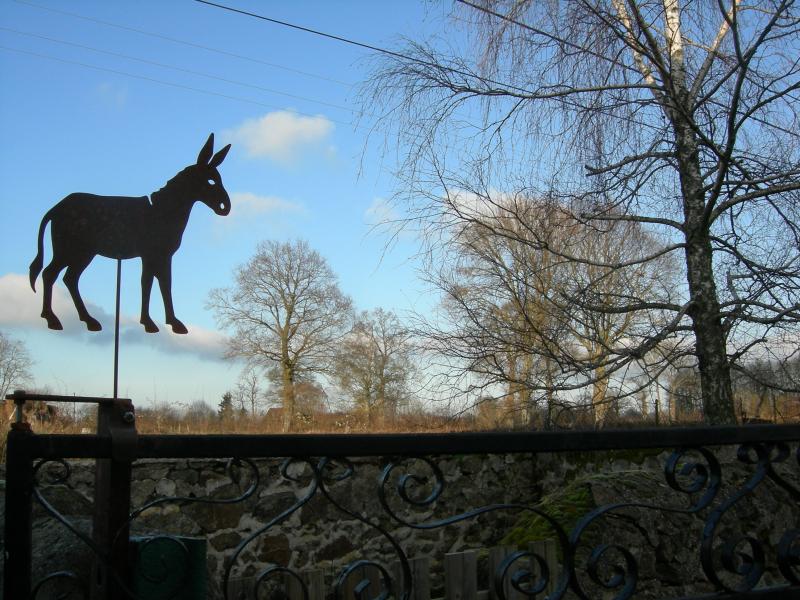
pixel 566 506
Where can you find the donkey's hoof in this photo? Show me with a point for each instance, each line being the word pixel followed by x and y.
pixel 92 324
pixel 149 326
pixel 178 327
pixel 53 322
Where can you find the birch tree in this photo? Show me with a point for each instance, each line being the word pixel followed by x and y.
pixel 678 116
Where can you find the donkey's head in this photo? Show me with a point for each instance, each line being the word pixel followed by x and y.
pixel 211 192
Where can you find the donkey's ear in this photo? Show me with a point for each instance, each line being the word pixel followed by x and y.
pixel 219 157
pixel 206 152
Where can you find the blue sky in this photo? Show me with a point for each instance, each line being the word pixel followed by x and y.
pixel 102 97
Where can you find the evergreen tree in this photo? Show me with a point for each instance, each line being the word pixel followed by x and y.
pixel 225 410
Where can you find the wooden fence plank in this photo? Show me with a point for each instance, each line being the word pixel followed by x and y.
pixel 294 591
pixel 420 578
pixel 315 583
pixel 461 575
pixel 315 580
pixel 548 549
pixel 496 557
pixel 355 587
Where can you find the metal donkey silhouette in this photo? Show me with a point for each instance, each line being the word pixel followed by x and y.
pixel 121 227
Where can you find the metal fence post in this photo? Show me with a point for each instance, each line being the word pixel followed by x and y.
pixel 19 496
pixel 112 500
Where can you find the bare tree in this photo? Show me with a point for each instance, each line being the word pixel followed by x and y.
pixel 498 325
pixel 374 364
pixel 199 416
pixel 248 389
pixel 287 313
pixel 311 399
pixel 15 365
pixel 524 322
pixel 680 117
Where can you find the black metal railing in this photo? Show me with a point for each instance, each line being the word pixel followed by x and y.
pixel 732 492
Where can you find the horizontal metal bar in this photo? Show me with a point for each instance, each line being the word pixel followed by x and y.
pixel 454 443
pixel 67 446
pixel 409 444
pixel 21 395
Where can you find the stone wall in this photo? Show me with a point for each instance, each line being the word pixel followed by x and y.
pixel 325 533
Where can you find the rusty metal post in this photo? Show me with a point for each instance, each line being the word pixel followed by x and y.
pixel 19 498
pixel 112 500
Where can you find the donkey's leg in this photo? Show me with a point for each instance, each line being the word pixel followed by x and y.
pixel 49 276
pixel 164 276
pixel 147 286
pixel 71 278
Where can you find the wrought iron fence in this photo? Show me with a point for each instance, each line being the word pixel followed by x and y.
pixel 709 497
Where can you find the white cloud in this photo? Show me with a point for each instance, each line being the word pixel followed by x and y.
pixel 200 342
pixel 246 205
pixel 248 209
pixel 491 205
pixel 19 308
pixel 204 342
pixel 380 212
pixel 16 306
pixel 280 135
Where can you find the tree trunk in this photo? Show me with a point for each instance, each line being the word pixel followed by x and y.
pixel 658 403
pixel 525 400
pixel 549 395
pixel 715 376
pixel 288 399
pixel 383 407
pixel 599 402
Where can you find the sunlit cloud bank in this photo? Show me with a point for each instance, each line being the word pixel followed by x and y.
pixel 19 309
pixel 281 135
pixel 199 342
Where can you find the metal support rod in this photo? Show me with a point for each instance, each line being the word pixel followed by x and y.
pixel 19 408
pixel 19 498
pixel 112 504
pixel 116 329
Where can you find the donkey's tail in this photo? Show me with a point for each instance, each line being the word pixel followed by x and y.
pixel 36 265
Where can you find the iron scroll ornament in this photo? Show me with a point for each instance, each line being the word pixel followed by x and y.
pixel 121 227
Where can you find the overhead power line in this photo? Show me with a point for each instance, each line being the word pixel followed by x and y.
pixel 183 42
pixel 405 57
pixel 535 30
pixel 162 82
pixel 331 36
pixel 392 53
pixel 352 42
pixel 174 68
